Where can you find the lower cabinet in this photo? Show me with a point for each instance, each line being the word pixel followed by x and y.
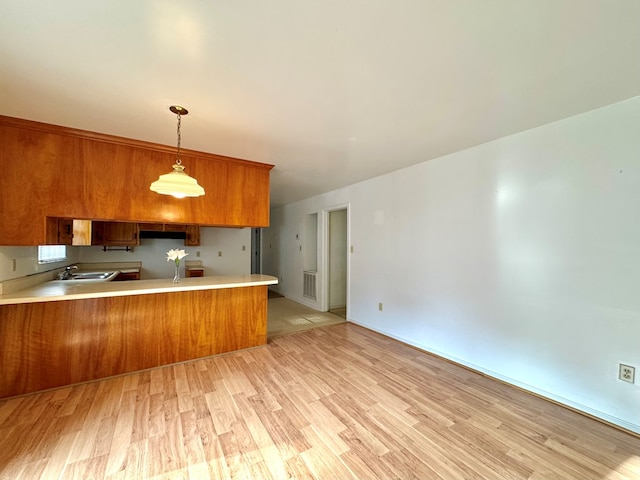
pixel 124 276
pixel 194 272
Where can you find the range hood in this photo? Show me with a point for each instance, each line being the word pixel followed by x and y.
pixel 172 235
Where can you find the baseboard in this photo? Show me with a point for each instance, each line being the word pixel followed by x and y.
pixel 307 302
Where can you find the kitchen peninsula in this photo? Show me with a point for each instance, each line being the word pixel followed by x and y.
pixel 56 333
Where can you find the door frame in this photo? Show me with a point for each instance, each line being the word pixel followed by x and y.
pixel 326 211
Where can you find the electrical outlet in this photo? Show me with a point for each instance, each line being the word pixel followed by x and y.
pixel 219 254
pixel 198 253
pixel 13 265
pixel 627 373
pixel 380 306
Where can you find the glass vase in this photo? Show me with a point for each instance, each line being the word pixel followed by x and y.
pixel 176 275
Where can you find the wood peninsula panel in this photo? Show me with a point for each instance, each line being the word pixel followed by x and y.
pixel 52 171
pixel 51 344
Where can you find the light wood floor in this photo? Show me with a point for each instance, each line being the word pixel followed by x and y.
pixel 336 402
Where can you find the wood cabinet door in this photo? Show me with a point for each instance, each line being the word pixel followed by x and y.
pixel 65 231
pixel 151 227
pixel 175 227
pixel 115 234
pixel 193 236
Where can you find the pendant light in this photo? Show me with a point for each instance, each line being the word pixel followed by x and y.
pixel 177 183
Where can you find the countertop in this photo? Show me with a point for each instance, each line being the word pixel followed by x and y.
pixel 59 290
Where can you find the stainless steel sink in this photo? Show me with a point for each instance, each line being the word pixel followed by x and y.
pixel 91 276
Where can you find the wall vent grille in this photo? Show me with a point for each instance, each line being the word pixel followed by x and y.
pixel 309 284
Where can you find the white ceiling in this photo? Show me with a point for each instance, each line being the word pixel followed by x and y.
pixel 330 91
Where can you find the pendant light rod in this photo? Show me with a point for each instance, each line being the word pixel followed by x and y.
pixel 179 111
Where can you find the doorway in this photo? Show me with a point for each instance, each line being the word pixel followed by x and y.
pixel 255 251
pixel 337 261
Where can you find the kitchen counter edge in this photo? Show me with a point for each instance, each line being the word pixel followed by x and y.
pixel 55 291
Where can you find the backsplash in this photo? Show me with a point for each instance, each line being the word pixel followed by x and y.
pixel 26 262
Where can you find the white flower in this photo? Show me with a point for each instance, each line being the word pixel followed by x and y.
pixel 176 255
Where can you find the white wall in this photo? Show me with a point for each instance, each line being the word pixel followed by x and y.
pixel 519 258
pixel 151 252
pixel 26 261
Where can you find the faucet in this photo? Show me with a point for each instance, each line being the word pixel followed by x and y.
pixel 66 274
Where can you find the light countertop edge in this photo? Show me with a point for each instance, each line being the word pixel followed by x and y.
pixel 59 290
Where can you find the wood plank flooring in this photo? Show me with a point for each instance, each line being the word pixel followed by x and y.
pixel 336 402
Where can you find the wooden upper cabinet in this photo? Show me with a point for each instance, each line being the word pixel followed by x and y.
pixel 151 227
pixel 115 234
pixel 34 183
pixel 57 172
pixel 59 231
pixel 81 232
pixel 193 236
pixel 175 227
pixel 67 231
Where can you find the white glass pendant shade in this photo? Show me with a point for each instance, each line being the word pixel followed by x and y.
pixel 178 184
